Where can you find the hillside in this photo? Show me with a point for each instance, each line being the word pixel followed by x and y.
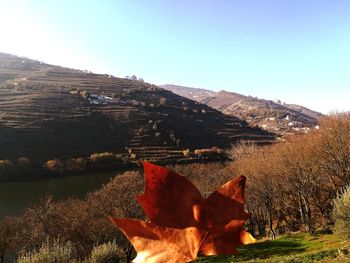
pixel 49 112
pixel 273 116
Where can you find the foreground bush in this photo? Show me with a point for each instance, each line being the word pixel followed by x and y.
pixel 341 214
pixel 8 238
pixel 50 253
pixel 106 253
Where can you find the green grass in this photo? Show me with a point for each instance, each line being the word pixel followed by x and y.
pixel 293 248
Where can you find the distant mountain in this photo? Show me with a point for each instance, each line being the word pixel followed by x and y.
pixel 273 116
pixel 213 99
pixel 49 112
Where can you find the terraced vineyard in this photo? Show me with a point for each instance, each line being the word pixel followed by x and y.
pixel 45 114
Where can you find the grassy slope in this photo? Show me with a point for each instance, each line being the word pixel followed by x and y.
pixel 299 247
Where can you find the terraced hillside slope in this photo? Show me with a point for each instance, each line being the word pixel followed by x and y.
pixel 49 112
pixel 274 116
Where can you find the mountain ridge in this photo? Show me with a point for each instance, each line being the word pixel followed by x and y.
pixel 274 116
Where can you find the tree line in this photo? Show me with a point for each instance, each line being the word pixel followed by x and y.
pixel 292 184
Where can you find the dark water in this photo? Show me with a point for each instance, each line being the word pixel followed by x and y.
pixel 15 196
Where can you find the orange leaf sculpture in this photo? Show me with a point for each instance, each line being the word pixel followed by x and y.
pixel 181 218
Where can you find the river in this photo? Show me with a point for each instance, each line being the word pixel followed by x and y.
pixel 17 195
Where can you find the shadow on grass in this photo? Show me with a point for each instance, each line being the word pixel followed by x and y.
pixel 262 250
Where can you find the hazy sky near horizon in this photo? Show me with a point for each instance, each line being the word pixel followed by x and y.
pixel 297 51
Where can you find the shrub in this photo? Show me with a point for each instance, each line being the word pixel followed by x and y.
pixel 104 158
pixel 241 150
pixel 23 161
pixel 54 165
pixel 212 152
pixel 186 153
pixel 50 253
pixel 217 150
pixel 162 101
pixel 106 253
pixel 9 237
pixel 5 163
pixel 341 214
pixel 76 164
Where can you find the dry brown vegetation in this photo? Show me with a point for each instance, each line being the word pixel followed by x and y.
pixel 290 186
pixel 54 165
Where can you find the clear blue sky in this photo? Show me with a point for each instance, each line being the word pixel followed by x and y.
pixel 294 50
